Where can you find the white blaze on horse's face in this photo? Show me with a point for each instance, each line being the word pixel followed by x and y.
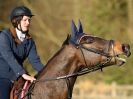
pixel 99 50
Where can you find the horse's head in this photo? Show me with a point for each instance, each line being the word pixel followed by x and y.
pixel 95 51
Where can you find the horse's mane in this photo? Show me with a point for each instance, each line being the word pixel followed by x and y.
pixel 66 42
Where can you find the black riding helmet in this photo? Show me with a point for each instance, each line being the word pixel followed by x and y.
pixel 17 14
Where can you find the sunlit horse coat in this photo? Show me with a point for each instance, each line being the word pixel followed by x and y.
pixel 13 52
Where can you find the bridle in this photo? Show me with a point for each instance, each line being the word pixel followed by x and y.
pixel 100 65
pixel 83 71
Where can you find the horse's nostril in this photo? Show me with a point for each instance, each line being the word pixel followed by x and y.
pixel 126 49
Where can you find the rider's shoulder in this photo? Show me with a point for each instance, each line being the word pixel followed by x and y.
pixel 4 32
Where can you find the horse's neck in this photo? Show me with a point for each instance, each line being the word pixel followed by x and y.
pixel 63 63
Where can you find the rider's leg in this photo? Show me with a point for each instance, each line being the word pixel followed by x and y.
pixel 5 88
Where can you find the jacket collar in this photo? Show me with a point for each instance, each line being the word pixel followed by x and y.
pixel 15 37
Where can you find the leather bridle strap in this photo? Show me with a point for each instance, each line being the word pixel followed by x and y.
pixel 97 51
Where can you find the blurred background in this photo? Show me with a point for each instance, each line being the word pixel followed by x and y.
pixel 109 19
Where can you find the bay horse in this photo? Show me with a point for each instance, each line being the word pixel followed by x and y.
pixel 80 53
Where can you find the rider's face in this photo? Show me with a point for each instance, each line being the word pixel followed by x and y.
pixel 25 23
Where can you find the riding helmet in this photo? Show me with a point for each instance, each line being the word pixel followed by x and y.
pixel 20 11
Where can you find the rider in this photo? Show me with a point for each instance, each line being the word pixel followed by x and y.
pixel 15 46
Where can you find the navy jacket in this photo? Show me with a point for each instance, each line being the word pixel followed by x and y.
pixel 13 52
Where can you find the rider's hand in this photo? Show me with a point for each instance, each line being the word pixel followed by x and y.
pixel 27 77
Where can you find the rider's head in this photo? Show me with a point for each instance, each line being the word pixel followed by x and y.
pixel 17 15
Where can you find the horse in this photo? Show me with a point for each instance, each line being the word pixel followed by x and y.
pixel 81 53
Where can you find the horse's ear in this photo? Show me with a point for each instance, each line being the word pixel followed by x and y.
pixel 74 30
pixel 80 27
pixel 76 34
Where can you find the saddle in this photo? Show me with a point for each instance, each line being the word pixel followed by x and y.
pixel 20 89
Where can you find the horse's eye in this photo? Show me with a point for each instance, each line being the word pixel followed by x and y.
pixel 90 40
pixel 87 40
